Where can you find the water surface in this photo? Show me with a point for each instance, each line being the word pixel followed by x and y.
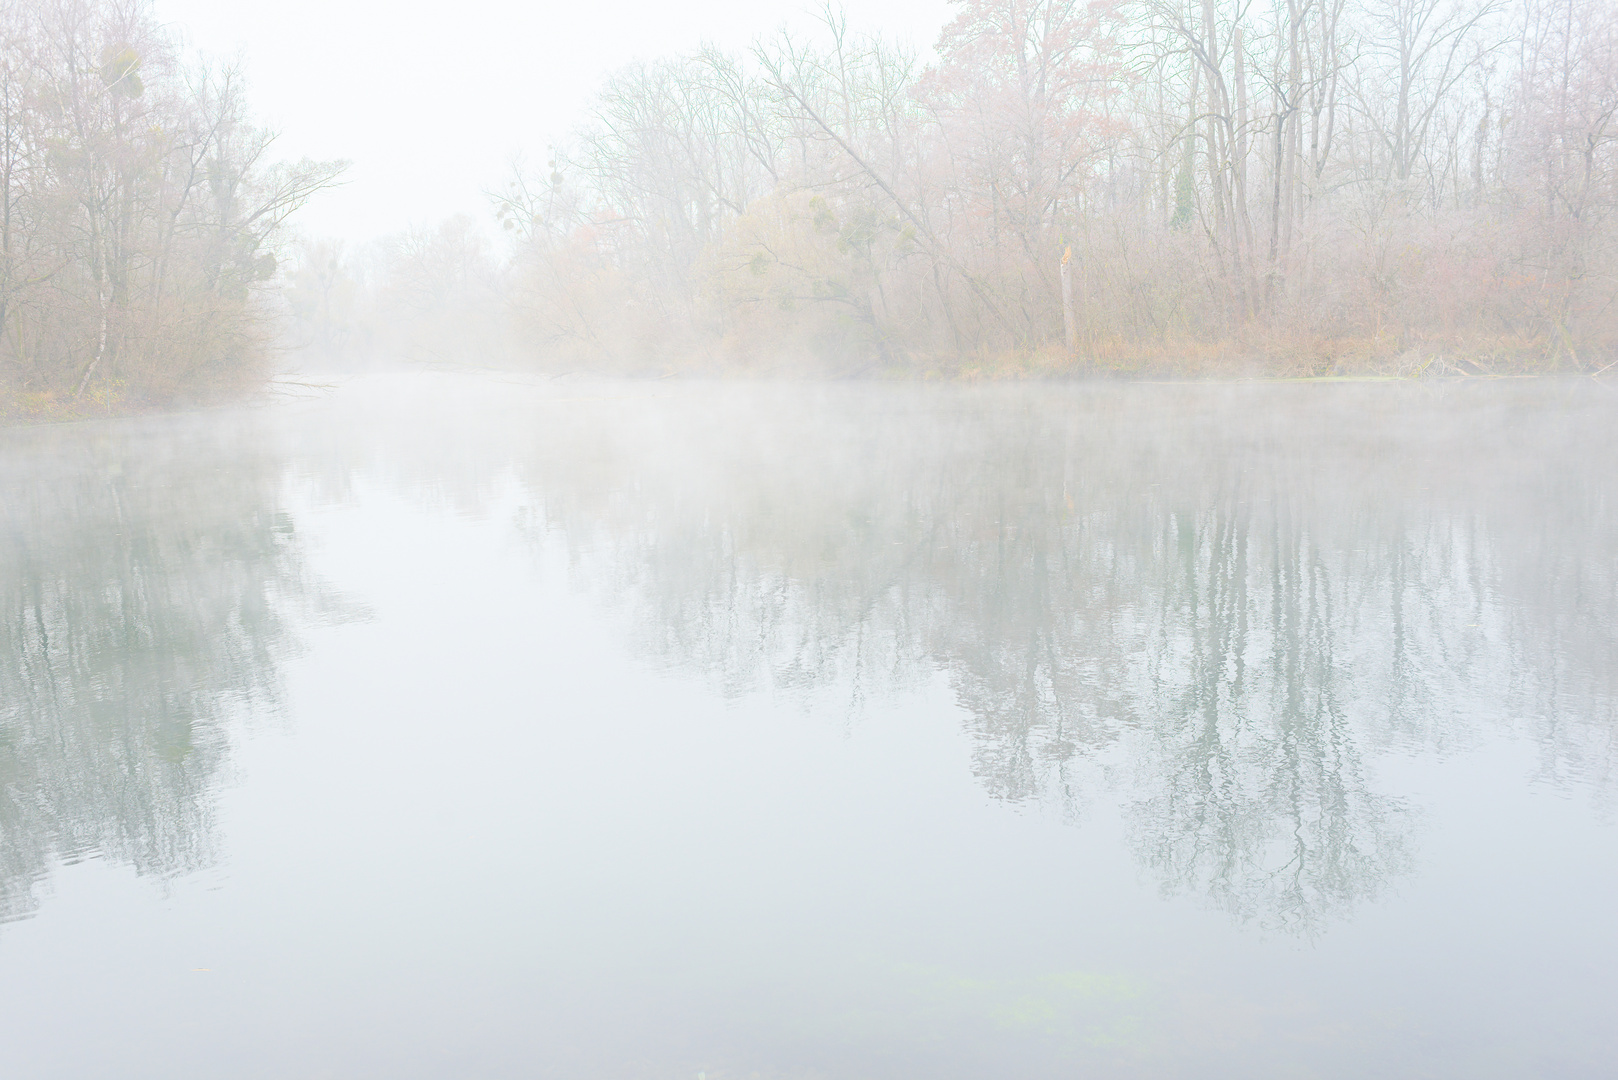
pixel 473 726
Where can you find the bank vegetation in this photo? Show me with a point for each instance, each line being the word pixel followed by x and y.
pixel 1293 187
pixel 140 215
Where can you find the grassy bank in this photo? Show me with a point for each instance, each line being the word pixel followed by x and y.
pixel 1188 364
pixel 98 402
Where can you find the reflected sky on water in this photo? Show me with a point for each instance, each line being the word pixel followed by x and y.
pixel 476 726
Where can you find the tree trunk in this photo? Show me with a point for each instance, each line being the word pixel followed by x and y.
pixel 1070 326
pixel 101 348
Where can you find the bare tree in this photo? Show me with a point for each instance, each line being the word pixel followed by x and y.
pixel 140 209
pixel 1298 184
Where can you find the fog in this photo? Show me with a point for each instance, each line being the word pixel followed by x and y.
pixel 976 539
pixel 430 107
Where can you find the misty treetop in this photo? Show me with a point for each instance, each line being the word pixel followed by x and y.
pixel 140 215
pixel 1311 184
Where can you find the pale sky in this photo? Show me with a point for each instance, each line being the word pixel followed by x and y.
pixel 429 101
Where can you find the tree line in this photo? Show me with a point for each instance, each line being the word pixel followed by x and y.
pixel 1313 185
pixel 140 211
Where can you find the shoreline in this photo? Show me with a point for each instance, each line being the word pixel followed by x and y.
pixel 306 387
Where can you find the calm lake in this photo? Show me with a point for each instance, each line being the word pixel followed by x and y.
pixel 489 727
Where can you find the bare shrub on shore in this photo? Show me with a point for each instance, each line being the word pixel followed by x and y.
pixel 1305 186
pixel 140 211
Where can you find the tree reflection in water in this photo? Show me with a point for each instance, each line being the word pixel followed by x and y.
pixel 1219 604
pixel 149 574
pixel 1217 608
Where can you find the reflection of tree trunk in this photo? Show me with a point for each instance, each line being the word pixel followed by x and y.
pixel 101 753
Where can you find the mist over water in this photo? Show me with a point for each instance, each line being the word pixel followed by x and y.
pixel 620 542
pixel 484 725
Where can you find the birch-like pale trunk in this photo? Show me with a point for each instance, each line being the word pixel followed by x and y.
pixel 1070 325
pixel 101 346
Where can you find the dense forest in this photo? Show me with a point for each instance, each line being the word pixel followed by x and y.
pixel 1314 184
pixel 139 213
pixel 1304 187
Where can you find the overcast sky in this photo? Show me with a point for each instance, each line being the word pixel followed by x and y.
pixel 429 101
